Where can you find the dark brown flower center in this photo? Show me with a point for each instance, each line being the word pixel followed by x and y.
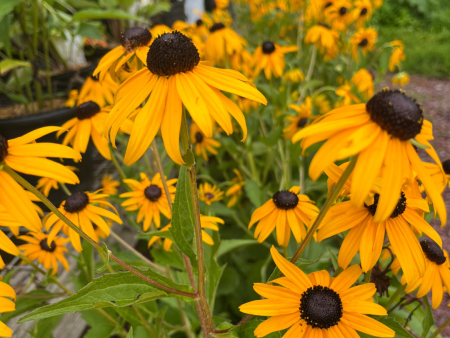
pixel 268 47
pixel 172 53
pixel 87 110
pixel 209 196
pixel 328 4
pixel 135 37
pixel 199 137
pixel 363 12
pixel 76 202
pixel 216 27
pixel 342 11
pixel 363 43
pixel 45 247
pixel 432 251
pixel 321 307
pixel 396 113
pixel 153 192
pixel 445 165
pixel 381 281
pixel 301 123
pixel 199 23
pixel 285 200
pixel 3 148
pixel 399 209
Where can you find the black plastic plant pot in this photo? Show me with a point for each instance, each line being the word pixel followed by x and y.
pixel 16 127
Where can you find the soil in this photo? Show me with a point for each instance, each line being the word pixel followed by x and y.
pixel 434 95
pixel 17 110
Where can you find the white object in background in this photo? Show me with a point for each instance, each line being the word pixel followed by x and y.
pixel 191 6
pixel 134 9
pixel 71 50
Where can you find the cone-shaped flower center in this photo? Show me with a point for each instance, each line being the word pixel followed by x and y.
pixel 199 23
pixel 396 113
pixel 216 27
pixel 363 12
pixel 268 47
pixel 76 202
pixel 432 251
pixel 199 137
pixel 342 10
pixel 285 200
pixel 45 247
pixel 363 43
pixel 87 110
pixel 399 209
pixel 321 307
pixel 209 195
pixel 172 53
pixel 153 192
pixel 301 123
pixel 135 37
pixel 445 165
pixel 3 148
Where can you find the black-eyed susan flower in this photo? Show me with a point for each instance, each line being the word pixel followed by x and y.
pixel 345 91
pixel 316 305
pixel 24 155
pixel 325 40
pixel 8 246
pixel 338 14
pixel 246 105
pixel 235 191
pixel 209 193
pixel 45 184
pixel 304 112
pixel 101 93
pixel 201 30
pixel 440 177
pixel 270 57
pixel 207 222
pixel 134 42
pixel 363 40
pixel 149 197
pixel 379 132
pixel 222 43
pixel 243 62
pixel 286 211
pixel 321 102
pixel 47 254
pixel 401 79
pixel 7 305
pixel 294 76
pixel 109 185
pixel 87 124
pixel 362 12
pixel 397 56
pixel 72 98
pixel 83 209
pixel 363 81
pixel 174 77
pixel 202 143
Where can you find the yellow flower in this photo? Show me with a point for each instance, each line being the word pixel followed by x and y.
pixel 201 30
pixel 362 12
pixel 246 105
pixel 222 43
pixel 72 99
pixel 81 208
pixel 235 191
pixel 174 77
pixel 316 305
pixel 149 198
pixel 401 79
pixel 440 177
pixel 89 121
pixel 363 81
pixel 134 42
pixel 270 57
pixel 8 305
pixel 397 55
pixel 294 76
pixel 109 185
pixel 45 184
pixel 363 39
pixel 24 155
pixel 379 132
pixel 324 39
pixel 101 93
pixel 348 97
pixel 338 14
pixel 304 112
pixel 243 62
pixel 209 193
pixel 207 222
pixel 286 211
pixel 158 30
pixel 377 3
pixel 221 4
pixel 321 103
pixel 6 244
pixel 47 254
pixel 182 27
pixel 202 143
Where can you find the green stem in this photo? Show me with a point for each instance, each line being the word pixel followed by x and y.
pixel 55 210
pixel 251 161
pixel 330 201
pixel 338 271
pixel 116 164
pixel 440 328
pixel 393 298
pixel 161 172
pixel 144 321
pixel 309 74
pixel 65 189
pixel 45 41
pixel 367 276
pixel 34 51
pixel 285 165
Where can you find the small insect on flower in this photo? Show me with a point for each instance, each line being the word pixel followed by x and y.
pixel 47 254
pixel 270 57
pixel 202 143
pixel 149 197
pixel 6 294
pixel 316 305
pixel 286 211
pixel 209 193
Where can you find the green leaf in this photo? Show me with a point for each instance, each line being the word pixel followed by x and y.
pixel 428 320
pixel 273 137
pixel 150 234
pixel 7 6
pixel 172 258
pixel 130 333
pixel 80 4
pixel 300 263
pixel 183 225
pixel 334 260
pixel 89 30
pixel 254 193
pixel 231 244
pixel 105 257
pixel 214 271
pixel 111 290
pixel 7 64
pixel 100 327
pixel 100 14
